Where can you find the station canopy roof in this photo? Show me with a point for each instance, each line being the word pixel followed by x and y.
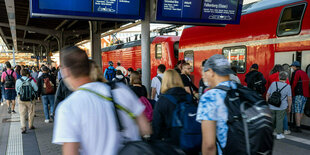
pixel 34 33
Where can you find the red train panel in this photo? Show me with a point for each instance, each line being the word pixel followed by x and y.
pixel 129 54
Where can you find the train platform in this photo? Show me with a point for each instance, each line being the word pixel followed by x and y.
pixel 38 141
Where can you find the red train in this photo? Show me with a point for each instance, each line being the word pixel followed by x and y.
pixel 164 50
pixel 270 32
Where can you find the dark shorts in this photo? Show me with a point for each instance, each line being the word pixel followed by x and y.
pixel 10 94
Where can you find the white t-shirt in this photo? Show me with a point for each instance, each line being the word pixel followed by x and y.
pixel 157 84
pixel 89 119
pixel 121 68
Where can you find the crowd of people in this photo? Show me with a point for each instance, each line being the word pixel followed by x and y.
pixel 97 113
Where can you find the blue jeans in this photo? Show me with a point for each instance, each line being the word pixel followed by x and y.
pixel 285 123
pixel 48 99
pixel 2 92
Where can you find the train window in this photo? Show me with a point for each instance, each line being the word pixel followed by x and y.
pixel 237 57
pixel 176 49
pixel 189 58
pixel 158 51
pixel 290 20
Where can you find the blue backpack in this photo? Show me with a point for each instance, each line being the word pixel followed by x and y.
pixel 110 74
pixel 184 117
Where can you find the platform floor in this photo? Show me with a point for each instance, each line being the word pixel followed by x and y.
pixel 38 141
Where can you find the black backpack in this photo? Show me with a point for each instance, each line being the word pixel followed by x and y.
pixel 26 92
pixel 249 122
pixel 257 83
pixel 275 99
pixel 9 80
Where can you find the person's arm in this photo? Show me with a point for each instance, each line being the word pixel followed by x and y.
pixel 267 97
pixel 70 149
pixel 59 96
pixel 187 89
pixel 289 100
pixel 153 93
pixel 158 121
pixel 34 85
pixel 18 85
pixel 2 77
pixel 39 86
pixel 105 72
pixel 208 137
pixel 144 125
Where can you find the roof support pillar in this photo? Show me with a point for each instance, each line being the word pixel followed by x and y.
pixel 47 54
pixel 95 37
pixel 145 49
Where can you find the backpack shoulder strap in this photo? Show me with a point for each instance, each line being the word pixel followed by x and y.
pixel 221 87
pixel 159 78
pixel 283 88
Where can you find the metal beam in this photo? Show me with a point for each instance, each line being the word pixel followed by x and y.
pixel 10 9
pixel 27 21
pixel 58 27
pixel 33 29
pixel 120 29
pixel 29 41
pixel 72 23
pixel 75 32
pixel 5 41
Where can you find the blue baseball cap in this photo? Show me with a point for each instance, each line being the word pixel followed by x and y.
pixel 296 63
pixel 219 64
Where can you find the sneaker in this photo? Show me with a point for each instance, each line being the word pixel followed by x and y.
pixel 47 121
pixel 2 104
pixel 280 136
pixel 9 110
pixel 24 130
pixel 287 132
pixel 13 111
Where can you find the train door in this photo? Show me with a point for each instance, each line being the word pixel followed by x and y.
pixel 305 66
pixel 286 59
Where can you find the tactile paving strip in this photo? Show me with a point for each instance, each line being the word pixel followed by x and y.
pixel 15 143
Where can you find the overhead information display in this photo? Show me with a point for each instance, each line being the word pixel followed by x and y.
pixel 199 11
pixel 89 9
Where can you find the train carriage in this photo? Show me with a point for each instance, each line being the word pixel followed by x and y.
pixel 164 50
pixel 270 32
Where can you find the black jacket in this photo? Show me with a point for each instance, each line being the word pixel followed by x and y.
pixel 41 81
pixel 61 93
pixel 162 116
pixel 254 76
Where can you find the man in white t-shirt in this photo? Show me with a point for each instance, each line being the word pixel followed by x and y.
pixel 85 122
pixel 156 82
pixel 121 68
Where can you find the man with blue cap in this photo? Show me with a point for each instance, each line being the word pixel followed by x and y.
pixel 300 90
pixel 212 111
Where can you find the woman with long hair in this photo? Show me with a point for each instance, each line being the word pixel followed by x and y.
pixel 136 84
pixel 173 87
pixel 95 73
